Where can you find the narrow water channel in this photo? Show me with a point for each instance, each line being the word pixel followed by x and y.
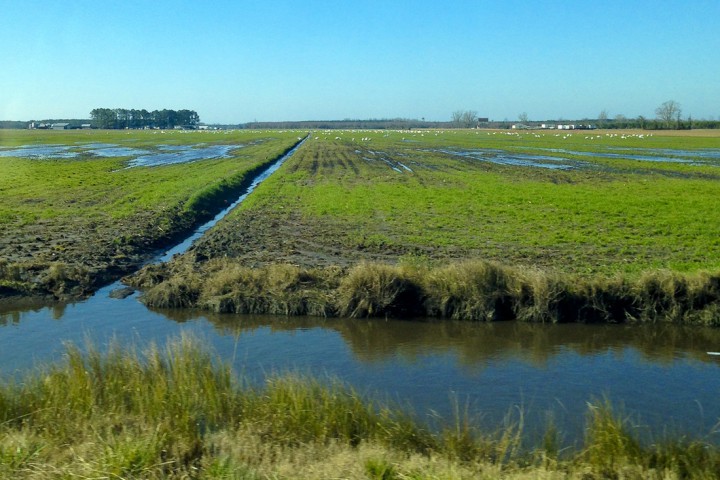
pixel 661 376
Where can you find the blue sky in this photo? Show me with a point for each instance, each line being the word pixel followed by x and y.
pixel 235 61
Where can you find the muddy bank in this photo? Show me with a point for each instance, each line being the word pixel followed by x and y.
pixel 63 262
pixel 57 260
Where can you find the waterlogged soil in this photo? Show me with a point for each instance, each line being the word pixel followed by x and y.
pixel 160 155
pixel 501 157
pixel 280 233
pixel 65 256
pixel 278 230
pixel 64 261
pixel 262 238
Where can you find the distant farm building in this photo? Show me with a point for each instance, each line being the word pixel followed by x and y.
pixel 576 127
pixel 60 126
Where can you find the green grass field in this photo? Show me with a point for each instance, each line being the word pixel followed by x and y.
pixel 40 189
pixel 91 213
pixel 625 219
pixel 611 215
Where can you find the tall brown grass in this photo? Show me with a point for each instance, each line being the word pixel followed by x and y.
pixel 471 290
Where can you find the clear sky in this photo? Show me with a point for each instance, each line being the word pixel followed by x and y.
pixel 235 61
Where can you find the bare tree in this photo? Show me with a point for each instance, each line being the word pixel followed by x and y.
pixel 523 117
pixel 457 116
pixel 469 118
pixel 668 113
pixel 602 118
pixel 620 121
pixel 464 118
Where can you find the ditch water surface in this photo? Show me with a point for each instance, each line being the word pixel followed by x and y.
pixel 661 376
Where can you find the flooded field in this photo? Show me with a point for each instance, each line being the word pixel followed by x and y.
pixel 702 157
pixel 81 208
pixel 501 157
pixel 164 154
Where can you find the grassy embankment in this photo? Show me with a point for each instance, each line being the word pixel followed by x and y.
pixel 179 413
pixel 338 231
pixel 71 224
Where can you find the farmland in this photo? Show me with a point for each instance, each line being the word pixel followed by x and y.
pixel 466 224
pixel 444 197
pixel 78 210
pixel 609 212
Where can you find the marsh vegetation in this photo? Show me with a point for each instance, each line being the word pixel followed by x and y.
pixel 178 412
pixel 431 224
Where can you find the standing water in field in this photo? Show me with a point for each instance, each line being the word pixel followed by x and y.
pixel 165 154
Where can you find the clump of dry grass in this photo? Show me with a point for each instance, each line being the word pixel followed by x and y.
pixel 277 289
pixel 664 295
pixel 59 279
pixel 471 290
pixel 173 293
pixel 373 289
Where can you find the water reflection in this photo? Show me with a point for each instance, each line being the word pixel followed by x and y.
pixel 13 313
pixel 169 154
pixel 659 373
pixel 378 340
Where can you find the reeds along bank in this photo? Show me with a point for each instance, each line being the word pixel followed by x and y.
pixel 472 290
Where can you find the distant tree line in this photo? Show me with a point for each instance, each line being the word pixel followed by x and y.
pixel 370 124
pixel 13 124
pixel 112 118
pixel 668 116
pixel 23 124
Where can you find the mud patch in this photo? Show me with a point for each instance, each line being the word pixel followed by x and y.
pixel 394 165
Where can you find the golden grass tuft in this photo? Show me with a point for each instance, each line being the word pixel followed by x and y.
pixel 471 290
pixel 277 289
pixel 474 290
pixel 373 289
